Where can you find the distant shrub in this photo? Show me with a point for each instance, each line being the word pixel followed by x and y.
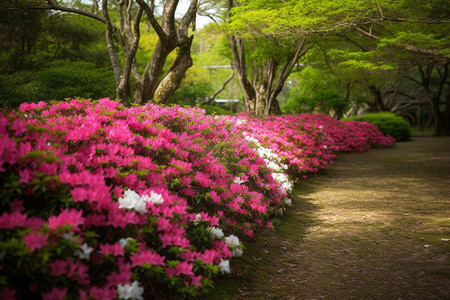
pixel 63 79
pixel 323 101
pixel 388 123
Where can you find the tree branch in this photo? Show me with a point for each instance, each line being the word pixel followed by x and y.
pixel 410 48
pixel 210 99
pixel 149 12
pixel 369 34
pixel 115 62
pixel 132 51
pixel 208 16
pixel 168 17
pixel 55 6
pixel 422 50
pixel 353 42
pixel 188 17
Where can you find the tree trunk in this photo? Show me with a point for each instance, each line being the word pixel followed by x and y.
pixel 377 104
pixel 172 80
pixel 434 97
pixel 153 71
pixel 447 112
pixel 439 118
pixel 237 50
pixel 150 87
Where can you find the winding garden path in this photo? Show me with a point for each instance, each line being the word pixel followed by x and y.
pixel 375 225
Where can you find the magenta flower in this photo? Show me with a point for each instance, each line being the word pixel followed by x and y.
pixel 182 268
pixel 147 257
pixel 35 240
pixel 16 205
pixel 114 249
pixel 13 220
pixel 8 293
pixel 58 267
pixel 54 294
pixel 19 126
pixel 66 217
pixel 102 293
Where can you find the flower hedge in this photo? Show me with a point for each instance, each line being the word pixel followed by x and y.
pixel 100 201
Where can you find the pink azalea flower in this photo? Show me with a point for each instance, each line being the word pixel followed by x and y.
pixel 195 280
pixel 25 176
pixel 54 294
pixel 114 249
pixel 124 276
pixel 67 217
pixel 35 241
pixel 8 293
pixel 106 293
pixel 182 268
pixel 58 267
pixel 16 205
pixel 147 257
pixel 19 126
pixel 12 220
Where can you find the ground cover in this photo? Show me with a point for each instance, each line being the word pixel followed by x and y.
pixel 375 225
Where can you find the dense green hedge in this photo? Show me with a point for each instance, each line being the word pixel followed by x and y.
pixel 61 80
pixel 388 123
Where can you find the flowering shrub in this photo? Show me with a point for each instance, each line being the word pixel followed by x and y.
pixel 306 143
pixel 103 201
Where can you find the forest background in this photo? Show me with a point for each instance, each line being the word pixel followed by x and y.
pixel 335 57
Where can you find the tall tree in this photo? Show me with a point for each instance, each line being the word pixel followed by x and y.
pixel 404 33
pixel 152 84
pixel 263 64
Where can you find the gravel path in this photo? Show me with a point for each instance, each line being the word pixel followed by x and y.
pixel 375 225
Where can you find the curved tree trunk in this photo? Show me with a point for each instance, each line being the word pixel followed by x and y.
pixel 171 82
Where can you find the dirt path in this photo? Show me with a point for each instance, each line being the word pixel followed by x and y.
pixel 375 225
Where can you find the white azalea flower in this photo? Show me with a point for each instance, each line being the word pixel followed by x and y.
pixel 123 242
pixel 216 232
pixel 133 291
pixel 224 266
pixel 252 140
pixel 288 202
pixel 156 198
pixel 232 241
pixel 84 252
pixel 241 121
pixel 237 252
pixel 139 206
pixel 238 180
pixel 198 218
pixel 70 236
pixel 273 162
pixel 129 200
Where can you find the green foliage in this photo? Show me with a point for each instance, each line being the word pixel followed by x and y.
pixel 63 79
pixel 191 94
pixel 215 110
pixel 388 123
pixel 324 101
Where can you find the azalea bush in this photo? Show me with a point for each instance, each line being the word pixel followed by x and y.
pixel 100 201
pixel 388 123
pixel 307 143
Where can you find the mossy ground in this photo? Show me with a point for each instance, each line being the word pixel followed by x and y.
pixel 375 225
